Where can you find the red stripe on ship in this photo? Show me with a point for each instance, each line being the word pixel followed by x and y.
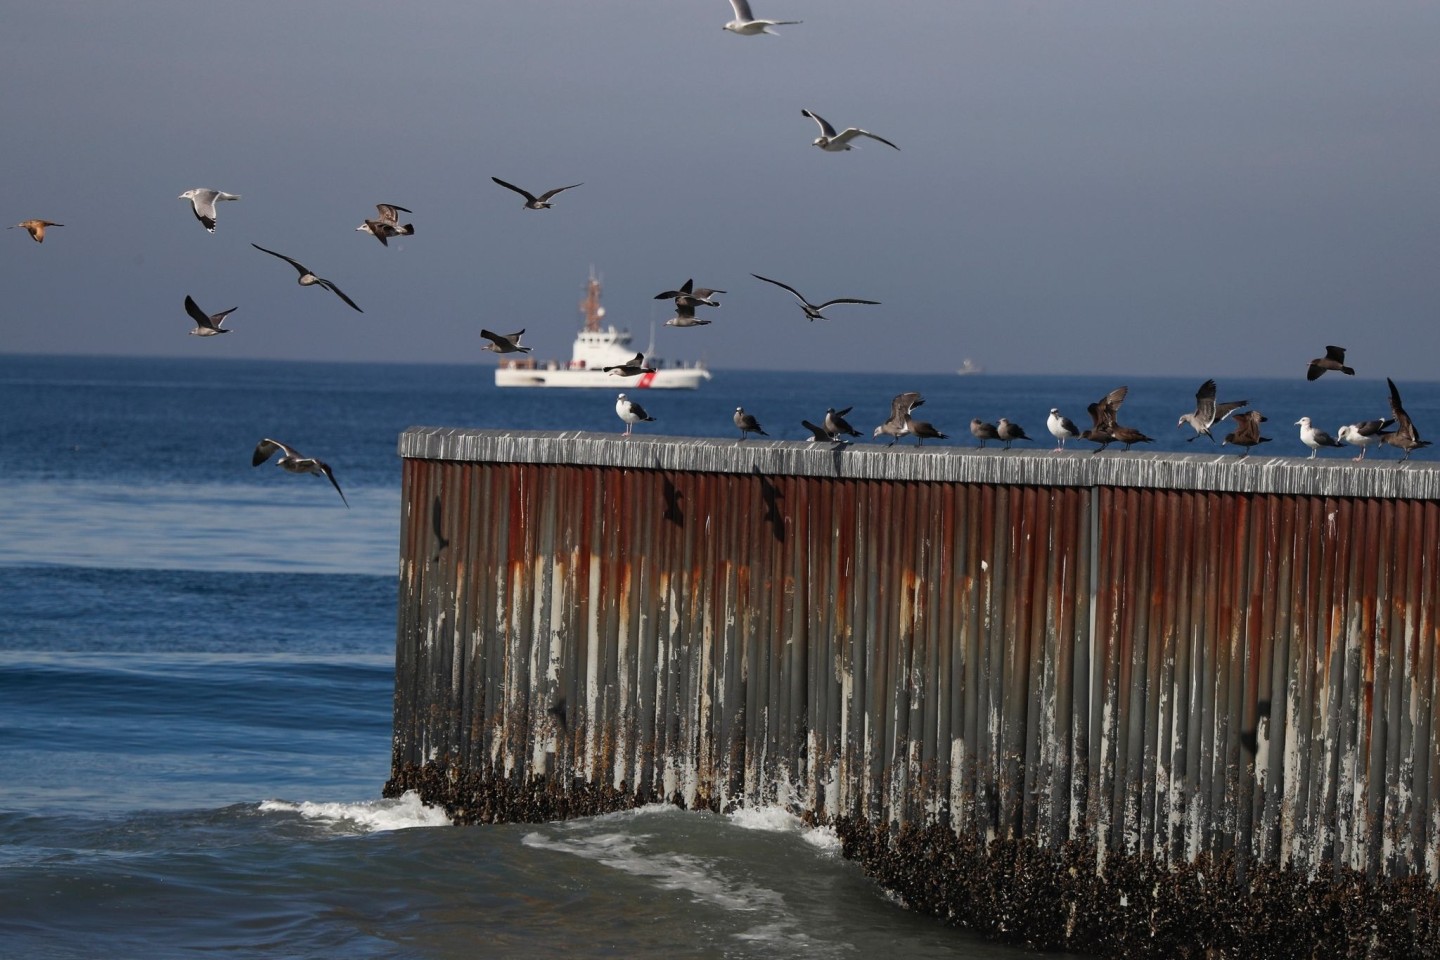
pixel 646 379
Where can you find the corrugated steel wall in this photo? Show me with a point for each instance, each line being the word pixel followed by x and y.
pixel 1049 662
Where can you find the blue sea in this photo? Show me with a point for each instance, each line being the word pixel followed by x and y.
pixel 196 663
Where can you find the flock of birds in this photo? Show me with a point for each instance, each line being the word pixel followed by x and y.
pixel 1105 427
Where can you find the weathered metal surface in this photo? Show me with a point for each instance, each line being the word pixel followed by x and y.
pixel 999 645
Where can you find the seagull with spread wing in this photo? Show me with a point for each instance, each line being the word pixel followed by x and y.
pixel 206 324
pixel 1208 412
pixel 308 277
pixel 533 202
pixel 294 462
pixel 832 142
pixel 812 311
pixel 387 224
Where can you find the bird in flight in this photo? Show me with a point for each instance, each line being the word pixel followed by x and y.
pixel 812 311
pixel 746 25
pixel 533 202
pixel 308 277
pixel 206 324
pixel 630 368
pixel 1334 359
pixel 202 203
pixel 1208 412
pixel 504 342
pixel 293 462
pixel 36 228
pixel 387 224
pixel 832 142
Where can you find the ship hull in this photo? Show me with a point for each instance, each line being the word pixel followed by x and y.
pixel 678 379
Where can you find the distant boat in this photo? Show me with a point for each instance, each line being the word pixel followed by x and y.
pixel 969 367
pixel 597 347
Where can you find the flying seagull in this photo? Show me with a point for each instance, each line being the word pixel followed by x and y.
pixel 837 426
pixel 899 423
pixel 812 311
pixel 685 316
pixel 746 25
pixel 504 342
pixel 533 202
pixel 202 202
pixel 832 142
pixel 691 296
pixel 1102 417
pixel 1208 412
pixel 631 412
pixel 747 423
pixel 206 325
pixel 1404 436
pixel 1334 359
pixel 308 278
pixel 1009 432
pixel 984 432
pixel 36 228
pixel 293 462
pixel 1315 438
pixel 1247 431
pixel 387 224
pixel 1062 428
pixel 1364 434
pixel 630 368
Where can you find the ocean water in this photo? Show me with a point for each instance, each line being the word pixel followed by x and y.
pixel 196 665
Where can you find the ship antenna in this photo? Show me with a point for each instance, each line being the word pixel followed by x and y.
pixel 590 307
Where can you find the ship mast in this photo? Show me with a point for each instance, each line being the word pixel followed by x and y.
pixel 590 307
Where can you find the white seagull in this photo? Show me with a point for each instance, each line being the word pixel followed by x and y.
pixel 631 412
pixel 685 316
pixel 293 462
pixel 1364 434
pixel 832 142
pixel 746 25
pixel 1061 427
pixel 206 324
pixel 202 202
pixel 1315 438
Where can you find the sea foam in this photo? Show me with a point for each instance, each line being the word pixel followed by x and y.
pixel 366 816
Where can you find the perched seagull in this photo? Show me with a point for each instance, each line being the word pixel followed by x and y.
pixel 1315 438
pixel 1404 436
pixel 630 368
pixel 36 228
pixel 387 224
pixel 1102 416
pixel 684 317
pixel 308 278
pixel 1062 428
pixel 812 311
pixel 984 432
pixel 747 423
pixel 921 429
pixel 837 426
pixel 631 412
pixel 832 142
pixel 899 423
pixel 293 462
pixel 504 342
pixel 202 202
pixel 206 325
pixel 1364 434
pixel 1208 412
pixel 746 25
pixel 1128 435
pixel 819 434
pixel 1010 432
pixel 533 202
pixel 1247 431
pixel 1334 359
pixel 691 296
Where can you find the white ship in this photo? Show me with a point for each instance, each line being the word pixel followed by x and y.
pixel 597 347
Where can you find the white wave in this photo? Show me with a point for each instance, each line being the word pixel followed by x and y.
pixel 367 816
pixel 775 819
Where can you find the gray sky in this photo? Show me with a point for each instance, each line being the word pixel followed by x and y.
pixel 1129 188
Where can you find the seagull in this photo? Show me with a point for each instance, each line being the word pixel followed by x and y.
pixel 691 296
pixel 812 311
pixel 1364 434
pixel 899 423
pixel 1208 412
pixel 630 368
pixel 832 142
pixel 984 432
pixel 308 278
pixel 920 429
pixel 747 423
pixel 1404 436
pixel 837 426
pixel 1128 435
pixel 1247 431
pixel 1334 359
pixel 746 25
pixel 533 202
pixel 1315 438
pixel 504 342
pixel 202 202
pixel 1102 416
pixel 819 434
pixel 206 325
pixel 36 228
pixel 684 317
pixel 1010 432
pixel 293 462
pixel 387 224
pixel 631 412
pixel 1062 428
